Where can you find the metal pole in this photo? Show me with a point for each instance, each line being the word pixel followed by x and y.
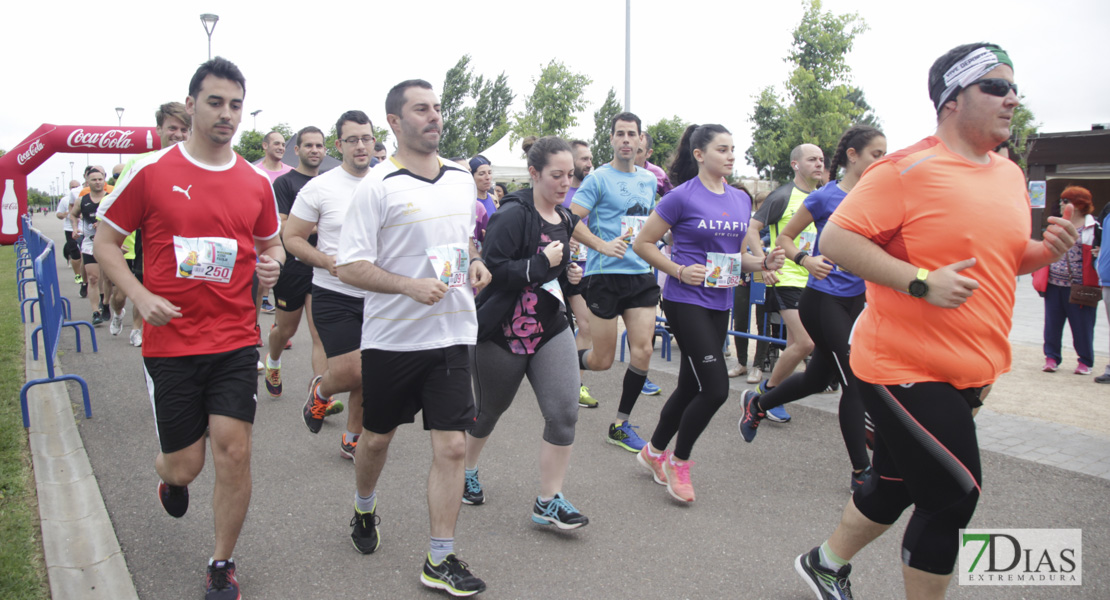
pixel 627 55
pixel 119 113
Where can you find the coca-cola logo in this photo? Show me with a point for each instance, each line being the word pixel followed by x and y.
pixel 28 154
pixel 112 139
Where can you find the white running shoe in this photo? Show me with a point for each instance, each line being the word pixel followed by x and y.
pixel 116 326
pixel 137 338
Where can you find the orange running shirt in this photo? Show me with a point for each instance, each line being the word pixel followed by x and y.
pixel 931 207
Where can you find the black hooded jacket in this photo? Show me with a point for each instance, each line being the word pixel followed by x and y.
pixel 509 251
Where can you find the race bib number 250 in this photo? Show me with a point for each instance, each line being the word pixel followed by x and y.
pixel 205 258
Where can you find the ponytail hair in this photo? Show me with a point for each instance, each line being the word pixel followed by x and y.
pixel 857 137
pixel 540 150
pixel 696 137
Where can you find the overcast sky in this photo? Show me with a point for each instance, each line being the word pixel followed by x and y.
pixel 72 63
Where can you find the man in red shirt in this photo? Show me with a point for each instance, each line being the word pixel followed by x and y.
pixel 206 216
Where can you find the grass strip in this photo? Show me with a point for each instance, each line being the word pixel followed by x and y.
pixel 22 566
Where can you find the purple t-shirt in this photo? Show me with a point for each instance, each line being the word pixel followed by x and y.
pixel 488 203
pixel 702 221
pixel 821 205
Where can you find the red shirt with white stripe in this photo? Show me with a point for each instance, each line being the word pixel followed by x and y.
pixel 199 226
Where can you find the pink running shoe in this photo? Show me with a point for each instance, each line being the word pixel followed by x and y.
pixel 678 479
pixel 1050 366
pixel 1082 369
pixel 655 465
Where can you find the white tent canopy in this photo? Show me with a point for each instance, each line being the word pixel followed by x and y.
pixel 507 161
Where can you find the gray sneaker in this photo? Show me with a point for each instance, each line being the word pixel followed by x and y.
pixel 116 324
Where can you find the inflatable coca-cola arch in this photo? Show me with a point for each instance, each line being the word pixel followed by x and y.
pixel 50 139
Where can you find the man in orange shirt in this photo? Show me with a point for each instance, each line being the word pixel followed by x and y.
pixel 934 335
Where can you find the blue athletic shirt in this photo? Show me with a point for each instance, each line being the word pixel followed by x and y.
pixel 821 205
pixel 610 194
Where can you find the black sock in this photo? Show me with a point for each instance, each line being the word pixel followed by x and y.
pixel 633 384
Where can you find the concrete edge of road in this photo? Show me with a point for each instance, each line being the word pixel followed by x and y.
pixel 83 556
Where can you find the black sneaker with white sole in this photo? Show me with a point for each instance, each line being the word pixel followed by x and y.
pixel 452 576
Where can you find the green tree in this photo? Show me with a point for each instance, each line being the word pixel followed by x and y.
pixel 554 102
pixel 665 136
pixel 1022 126
pixel 820 102
pixel 599 145
pixel 475 110
pixel 250 145
pixel 37 198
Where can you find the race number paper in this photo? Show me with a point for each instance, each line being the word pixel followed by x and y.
pixel 450 262
pixel 631 226
pixel 722 270
pixel 205 258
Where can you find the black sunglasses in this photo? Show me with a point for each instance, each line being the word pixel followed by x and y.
pixel 996 86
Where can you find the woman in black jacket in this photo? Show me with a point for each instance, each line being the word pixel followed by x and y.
pixel 523 328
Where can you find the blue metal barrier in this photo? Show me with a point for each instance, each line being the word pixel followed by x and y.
pixel 53 320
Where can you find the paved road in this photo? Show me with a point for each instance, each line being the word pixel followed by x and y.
pixel 758 505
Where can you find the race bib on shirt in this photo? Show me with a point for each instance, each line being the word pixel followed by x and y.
pixel 450 262
pixel 722 270
pixel 555 289
pixel 205 258
pixel 580 255
pixel 631 226
pixel 806 240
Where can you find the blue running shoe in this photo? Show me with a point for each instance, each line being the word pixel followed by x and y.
pixel 777 414
pixel 624 435
pixel 752 416
pixel 650 389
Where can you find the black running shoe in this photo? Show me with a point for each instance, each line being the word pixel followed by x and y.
pixel 96 318
pixel 825 583
pixel 221 583
pixel 558 512
pixel 859 479
pixel 364 530
pixel 175 499
pixel 84 290
pixel 452 575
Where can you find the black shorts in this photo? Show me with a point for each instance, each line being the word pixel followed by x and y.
pixel 71 250
pixel 789 297
pixel 184 390
pixel 575 289
pixel 436 382
pixel 338 319
pixel 609 295
pixel 292 288
pixel 88 259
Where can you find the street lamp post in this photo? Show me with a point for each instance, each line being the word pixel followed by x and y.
pixel 70 170
pixel 254 113
pixel 209 22
pixel 119 114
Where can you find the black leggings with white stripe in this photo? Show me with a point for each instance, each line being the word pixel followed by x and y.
pixel 927 455
pixel 828 319
pixel 702 376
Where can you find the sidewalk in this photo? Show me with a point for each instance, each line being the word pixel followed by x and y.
pixel 758 506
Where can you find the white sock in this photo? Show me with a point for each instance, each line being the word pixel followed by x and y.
pixel 273 364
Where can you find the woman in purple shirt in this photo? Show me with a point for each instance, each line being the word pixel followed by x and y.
pixel 703 214
pixel 832 300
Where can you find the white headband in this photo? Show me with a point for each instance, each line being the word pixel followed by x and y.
pixel 977 63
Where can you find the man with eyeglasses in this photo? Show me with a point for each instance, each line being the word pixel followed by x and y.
pixel 934 335
pixel 293 291
pixel 336 306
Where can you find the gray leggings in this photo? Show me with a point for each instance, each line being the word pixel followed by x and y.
pixel 553 373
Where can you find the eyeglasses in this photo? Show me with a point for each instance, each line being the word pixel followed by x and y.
pixel 996 86
pixel 1065 201
pixel 367 140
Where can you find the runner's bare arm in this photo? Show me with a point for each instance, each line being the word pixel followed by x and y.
pixel 365 275
pixel 818 266
pixel 271 258
pixel 858 254
pixel 295 233
pixel 615 248
pixel 154 309
pixel 644 247
pixel 1059 236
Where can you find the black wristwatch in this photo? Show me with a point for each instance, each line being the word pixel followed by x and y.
pixel 918 288
pixel 800 256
